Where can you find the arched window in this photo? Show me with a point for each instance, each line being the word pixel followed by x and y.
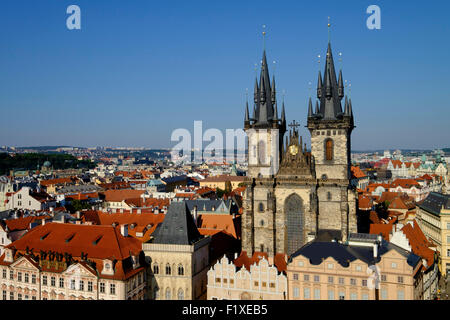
pixel 168 269
pixel 180 294
pixel 180 270
pixel 262 248
pixel 167 293
pixel 328 195
pixel 155 269
pixel 261 207
pixel 329 149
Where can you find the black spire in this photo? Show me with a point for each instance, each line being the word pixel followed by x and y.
pixel 319 86
pixel 265 98
pixel 274 98
pixel 346 112
pixel 317 107
pixel 310 111
pixel 247 118
pixel 340 85
pixel 330 98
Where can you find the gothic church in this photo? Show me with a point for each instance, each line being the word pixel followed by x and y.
pixel 294 196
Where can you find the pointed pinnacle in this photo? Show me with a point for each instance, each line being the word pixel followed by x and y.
pixel 310 112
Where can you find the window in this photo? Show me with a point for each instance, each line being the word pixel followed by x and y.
pixel 33 279
pixel 19 296
pixel 167 294
pixel 180 294
pixel 400 279
pixel 330 279
pixel 155 269
pixel 400 295
pixel 393 265
pixel 317 294
pixel 53 281
pixel 27 277
pixel 81 285
pixel 168 270
pixel 353 282
pixel 341 281
pixel 4 273
pixel 296 292
pixel 112 288
pixel 306 277
pixel 102 287
pixel 329 149
pixel 19 203
pixel 448 225
pixel 4 294
pixel 11 296
pixel 364 283
pixel 383 277
pixel 295 276
pixel 11 275
pixel 329 196
pixel 330 266
pixel 448 239
pixel 90 286
pixel 316 278
pixel 261 207
pixel 300 264
pixel 341 295
pixel 19 276
pixel 61 282
pixel 26 297
pixel 448 252
pixel 365 296
pixel 306 293
pixel 330 294
pixel 358 268
pixel 44 280
pixel 353 296
pixel 384 294
pixel 180 270
pixel 33 298
pixel 72 284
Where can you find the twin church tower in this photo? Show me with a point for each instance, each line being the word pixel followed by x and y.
pixel 294 196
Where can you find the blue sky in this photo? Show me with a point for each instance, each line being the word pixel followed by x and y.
pixel 139 69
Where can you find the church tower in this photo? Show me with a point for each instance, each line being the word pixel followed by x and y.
pixel 331 129
pixel 265 131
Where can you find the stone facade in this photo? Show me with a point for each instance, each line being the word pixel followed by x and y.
pixel 291 193
pixel 177 272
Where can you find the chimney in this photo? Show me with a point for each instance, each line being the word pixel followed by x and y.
pixel 124 230
pixel 375 250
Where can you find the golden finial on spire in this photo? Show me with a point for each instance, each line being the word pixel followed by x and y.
pixel 329 25
pixel 264 36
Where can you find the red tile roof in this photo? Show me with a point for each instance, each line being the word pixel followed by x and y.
pixel 246 261
pixel 357 172
pixel 98 242
pixel 121 194
pixel 418 242
pixel 51 182
pixel 384 229
pixel 224 222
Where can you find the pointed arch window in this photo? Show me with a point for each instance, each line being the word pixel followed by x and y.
pixel 180 294
pixel 180 270
pixel 155 268
pixel 329 149
pixel 167 293
pixel 168 269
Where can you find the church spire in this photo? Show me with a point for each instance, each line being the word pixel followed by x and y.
pixel 319 86
pixel 310 111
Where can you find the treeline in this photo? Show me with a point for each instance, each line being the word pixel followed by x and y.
pixel 30 161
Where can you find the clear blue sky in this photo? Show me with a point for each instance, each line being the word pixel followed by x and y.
pixel 139 69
